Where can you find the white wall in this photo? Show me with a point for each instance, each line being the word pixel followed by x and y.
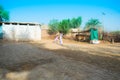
pixel 21 32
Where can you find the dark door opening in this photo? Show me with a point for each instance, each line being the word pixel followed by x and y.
pixel 1 32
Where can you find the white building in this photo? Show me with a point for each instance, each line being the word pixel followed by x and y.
pixel 16 31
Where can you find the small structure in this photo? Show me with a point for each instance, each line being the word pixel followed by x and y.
pixel 88 35
pixel 74 32
pixel 82 36
pixel 17 31
pixel 94 36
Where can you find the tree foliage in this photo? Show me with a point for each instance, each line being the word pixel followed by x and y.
pixel 93 23
pixel 64 26
pixel 53 26
pixel 4 15
pixel 76 22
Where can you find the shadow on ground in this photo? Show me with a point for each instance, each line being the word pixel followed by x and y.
pixel 25 61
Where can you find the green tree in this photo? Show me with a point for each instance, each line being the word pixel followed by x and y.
pixel 64 26
pixel 93 23
pixel 53 26
pixel 4 15
pixel 76 22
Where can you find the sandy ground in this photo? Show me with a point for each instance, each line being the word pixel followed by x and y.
pixel 46 60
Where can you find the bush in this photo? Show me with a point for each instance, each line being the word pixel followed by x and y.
pixel 64 26
pixel 115 32
pixel 53 27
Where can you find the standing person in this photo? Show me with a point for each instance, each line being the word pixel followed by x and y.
pixel 61 35
pixel 56 38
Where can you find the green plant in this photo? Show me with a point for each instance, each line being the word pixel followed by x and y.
pixel 64 26
pixel 4 15
pixel 75 22
pixel 93 23
pixel 53 26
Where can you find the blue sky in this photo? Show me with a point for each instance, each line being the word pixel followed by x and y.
pixel 42 11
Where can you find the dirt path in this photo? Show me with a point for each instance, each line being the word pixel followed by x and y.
pixel 49 61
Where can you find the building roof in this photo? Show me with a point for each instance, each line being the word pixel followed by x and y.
pixel 22 23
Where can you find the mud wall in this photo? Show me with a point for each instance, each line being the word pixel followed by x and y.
pixel 21 32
